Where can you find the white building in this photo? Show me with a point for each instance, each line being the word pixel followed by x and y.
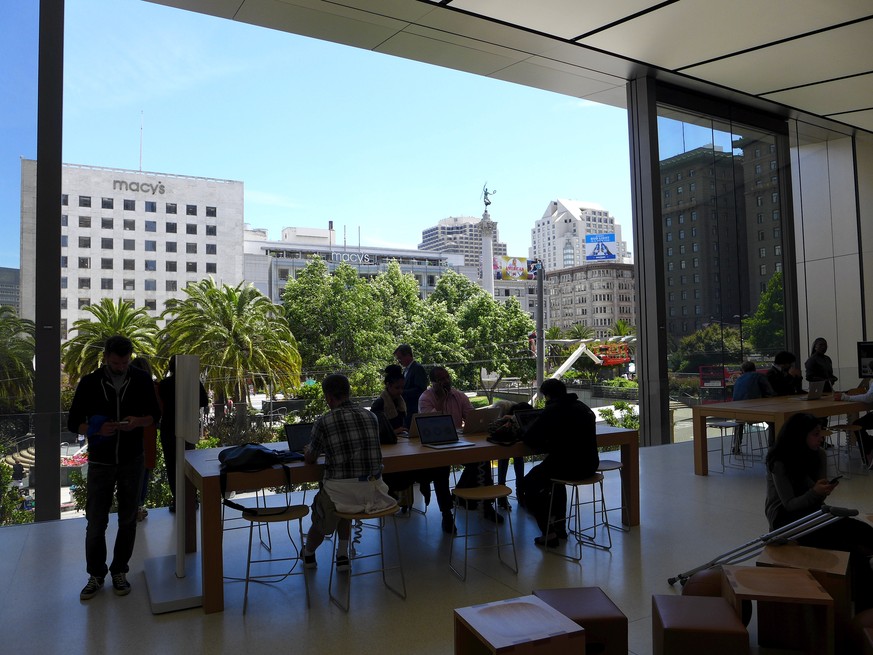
pixel 595 295
pixel 460 235
pixel 138 236
pixel 269 264
pixel 558 238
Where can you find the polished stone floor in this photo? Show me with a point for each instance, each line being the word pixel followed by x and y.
pixel 686 521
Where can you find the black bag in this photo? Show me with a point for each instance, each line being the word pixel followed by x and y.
pixel 504 433
pixel 249 458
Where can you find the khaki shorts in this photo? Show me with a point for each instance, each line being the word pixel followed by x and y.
pixel 354 497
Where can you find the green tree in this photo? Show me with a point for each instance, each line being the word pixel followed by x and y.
pixel 16 360
pixel 714 345
pixel 765 329
pixel 579 331
pixel 84 352
pixel 436 338
pixel 397 294
pixel 236 332
pixel 453 290
pixel 622 328
pixel 10 500
pixel 496 337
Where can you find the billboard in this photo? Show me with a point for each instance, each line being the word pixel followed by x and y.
pixel 600 247
pixel 513 268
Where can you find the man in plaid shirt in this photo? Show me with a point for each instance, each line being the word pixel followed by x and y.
pixel 348 435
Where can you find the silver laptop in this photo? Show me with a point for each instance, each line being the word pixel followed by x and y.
pixel 479 420
pixel 526 418
pixel 815 391
pixel 438 431
pixel 298 435
pixel 413 425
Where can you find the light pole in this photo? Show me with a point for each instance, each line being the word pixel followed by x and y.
pixel 739 319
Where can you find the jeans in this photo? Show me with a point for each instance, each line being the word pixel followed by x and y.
pixel 104 480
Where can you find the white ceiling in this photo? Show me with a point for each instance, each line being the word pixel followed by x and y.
pixel 812 57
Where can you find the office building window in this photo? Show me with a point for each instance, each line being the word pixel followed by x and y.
pixel 191 248
pixel 129 285
pixel 151 226
pixel 63 261
pixel 191 210
pixel 151 305
pixel 84 282
pixel 172 285
pixel 107 223
pixel 211 249
pixel 190 228
pixel 84 201
pixel 129 265
pixel 65 199
pixel 171 246
pixel 129 205
pixel 211 230
pixel 63 305
pixel 84 242
pixel 106 283
pixel 64 220
pixel 151 206
pixel 151 265
pixel 210 268
pixel 84 302
pixel 107 203
pixel 106 263
pixel 151 246
pixel 84 221
pixel 170 267
pixel 763 269
pixel 190 267
pixel 129 225
pixel 210 212
pixel 150 285
pixel 63 282
pixel 84 262
pixel 171 228
pixel 129 244
pixel 106 243
pixel 171 208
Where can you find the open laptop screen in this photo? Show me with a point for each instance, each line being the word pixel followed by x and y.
pixel 439 428
pixel 526 417
pixel 299 435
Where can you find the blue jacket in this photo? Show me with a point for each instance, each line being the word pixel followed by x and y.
pixel 752 385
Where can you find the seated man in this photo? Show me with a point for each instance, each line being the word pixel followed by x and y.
pixel 749 385
pixel 784 377
pixel 865 442
pixel 348 435
pixel 565 431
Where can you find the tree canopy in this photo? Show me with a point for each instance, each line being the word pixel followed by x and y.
pixel 16 360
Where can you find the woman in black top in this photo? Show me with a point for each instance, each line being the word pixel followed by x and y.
pixel 819 366
pixel 390 409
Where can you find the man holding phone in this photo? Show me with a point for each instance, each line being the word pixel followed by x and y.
pixel 112 405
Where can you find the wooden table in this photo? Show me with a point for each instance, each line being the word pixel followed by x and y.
pixel 776 410
pixel 521 626
pixel 202 469
pixel 783 585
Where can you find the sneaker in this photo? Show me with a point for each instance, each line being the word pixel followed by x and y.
pixel 309 561
pixel 342 564
pixel 120 584
pixel 90 590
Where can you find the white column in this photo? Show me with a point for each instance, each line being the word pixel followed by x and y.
pixel 487 227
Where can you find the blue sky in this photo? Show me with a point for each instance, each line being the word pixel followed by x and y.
pixel 317 131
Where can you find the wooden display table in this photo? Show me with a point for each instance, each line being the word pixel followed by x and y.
pixel 521 626
pixel 784 585
pixel 831 569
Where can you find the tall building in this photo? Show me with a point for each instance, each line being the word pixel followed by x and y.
pixel 269 264
pixel 571 233
pixel 594 295
pixel 460 235
pixel 134 235
pixel 10 288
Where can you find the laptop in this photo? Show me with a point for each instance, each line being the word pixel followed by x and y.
pixel 479 420
pixel 438 431
pixel 413 426
pixel 527 417
pixel 298 435
pixel 815 391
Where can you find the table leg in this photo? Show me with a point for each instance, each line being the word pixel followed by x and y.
pixel 701 456
pixel 212 557
pixel 630 483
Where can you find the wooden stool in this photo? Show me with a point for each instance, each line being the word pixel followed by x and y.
pixel 380 516
pixel 605 625
pixel 683 625
pixel 485 494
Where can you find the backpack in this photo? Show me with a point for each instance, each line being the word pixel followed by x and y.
pixel 249 458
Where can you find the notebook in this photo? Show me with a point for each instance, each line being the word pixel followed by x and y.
pixel 526 417
pixel 438 431
pixel 298 435
pixel 413 426
pixel 479 420
pixel 815 391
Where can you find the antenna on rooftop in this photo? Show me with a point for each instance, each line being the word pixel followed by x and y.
pixel 141 120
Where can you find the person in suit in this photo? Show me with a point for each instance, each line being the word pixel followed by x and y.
pixel 415 379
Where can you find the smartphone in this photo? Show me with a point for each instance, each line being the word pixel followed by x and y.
pixel 835 480
pixel 128 422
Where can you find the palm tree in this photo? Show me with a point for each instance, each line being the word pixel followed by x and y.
pixel 580 331
pixel 236 332
pixel 83 353
pixel 16 359
pixel 622 328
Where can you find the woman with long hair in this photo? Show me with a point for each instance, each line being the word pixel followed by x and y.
pixel 390 409
pixel 819 366
pixel 797 485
